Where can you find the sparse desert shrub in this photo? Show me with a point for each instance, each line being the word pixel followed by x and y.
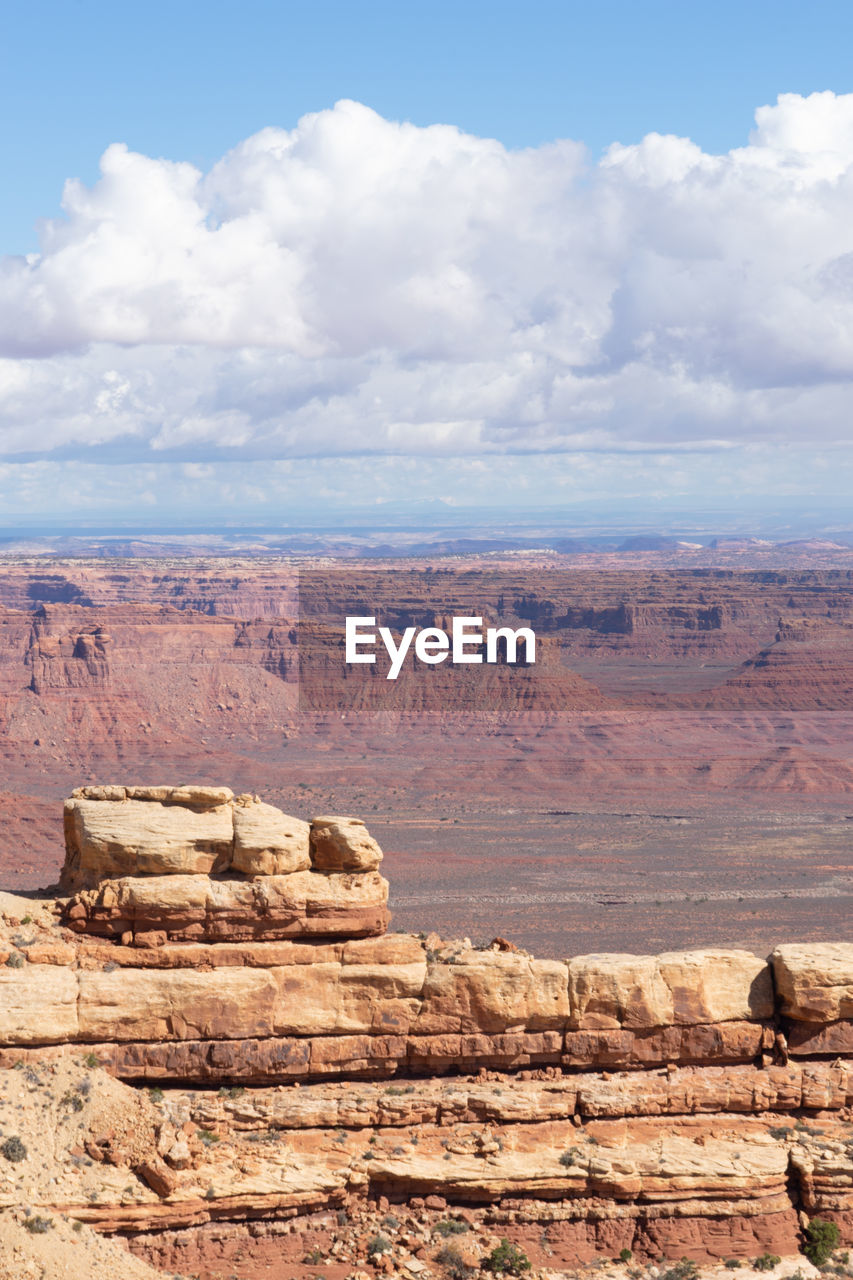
pixel 155 1094
pixel 451 1227
pixel 91 1060
pixel 313 1256
pixel 453 1262
pixel 15 961
pixel 732 1264
pixel 780 1131
pixel 77 1225
pixel 568 1158
pixel 506 1260
pixel 38 1225
pixel 766 1262
pixel 397 1091
pixel 625 1255
pixel 686 1269
pixel 377 1246
pixel 27 920
pixel 821 1239
pixel 71 1099
pixel 390 1222
pixel 13 1149
pixel 207 1136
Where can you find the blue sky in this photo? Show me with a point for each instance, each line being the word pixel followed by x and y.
pixel 188 80
pixel 413 306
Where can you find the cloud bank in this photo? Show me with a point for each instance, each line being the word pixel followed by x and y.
pixel 356 286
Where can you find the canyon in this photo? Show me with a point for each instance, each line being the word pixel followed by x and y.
pixel 215 1054
pixel 672 711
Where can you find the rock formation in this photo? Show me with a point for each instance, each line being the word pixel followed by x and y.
pixel 695 1102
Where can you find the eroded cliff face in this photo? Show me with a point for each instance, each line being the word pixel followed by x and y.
pixel 301 1062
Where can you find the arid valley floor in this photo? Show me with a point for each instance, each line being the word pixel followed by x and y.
pixel 686 776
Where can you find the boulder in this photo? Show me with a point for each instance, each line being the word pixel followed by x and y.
pixel 105 838
pixel 268 842
pixel 343 844
pixel 815 980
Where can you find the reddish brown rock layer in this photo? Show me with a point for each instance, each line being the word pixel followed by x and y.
pixel 303 904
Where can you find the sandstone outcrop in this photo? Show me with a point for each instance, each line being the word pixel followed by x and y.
pixel 690 1102
pixel 186 908
pixel 268 842
pixel 343 844
pixel 673 989
pixel 506 1156
pixel 140 860
pixel 815 982
pixel 137 831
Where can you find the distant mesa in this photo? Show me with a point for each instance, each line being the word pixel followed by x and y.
pixel 649 542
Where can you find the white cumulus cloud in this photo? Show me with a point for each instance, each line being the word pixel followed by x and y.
pixel 357 286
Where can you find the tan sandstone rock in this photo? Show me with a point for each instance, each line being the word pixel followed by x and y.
pixel 815 980
pixel 717 985
pixel 38 1004
pixel 234 1003
pixel 492 991
pixel 177 1004
pixel 107 838
pixel 685 988
pixel 343 844
pixel 608 991
pixel 303 904
pixel 268 842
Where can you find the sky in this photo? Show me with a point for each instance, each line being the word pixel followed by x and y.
pixel 263 259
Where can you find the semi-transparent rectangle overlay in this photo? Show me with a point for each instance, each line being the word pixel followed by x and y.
pixel 705 640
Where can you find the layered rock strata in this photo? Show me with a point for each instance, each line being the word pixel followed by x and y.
pixel 690 1100
pixel 524 1157
pixel 115 831
pixel 139 861
pixel 378 1006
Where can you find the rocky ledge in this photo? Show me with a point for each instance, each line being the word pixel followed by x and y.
pixel 693 1102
